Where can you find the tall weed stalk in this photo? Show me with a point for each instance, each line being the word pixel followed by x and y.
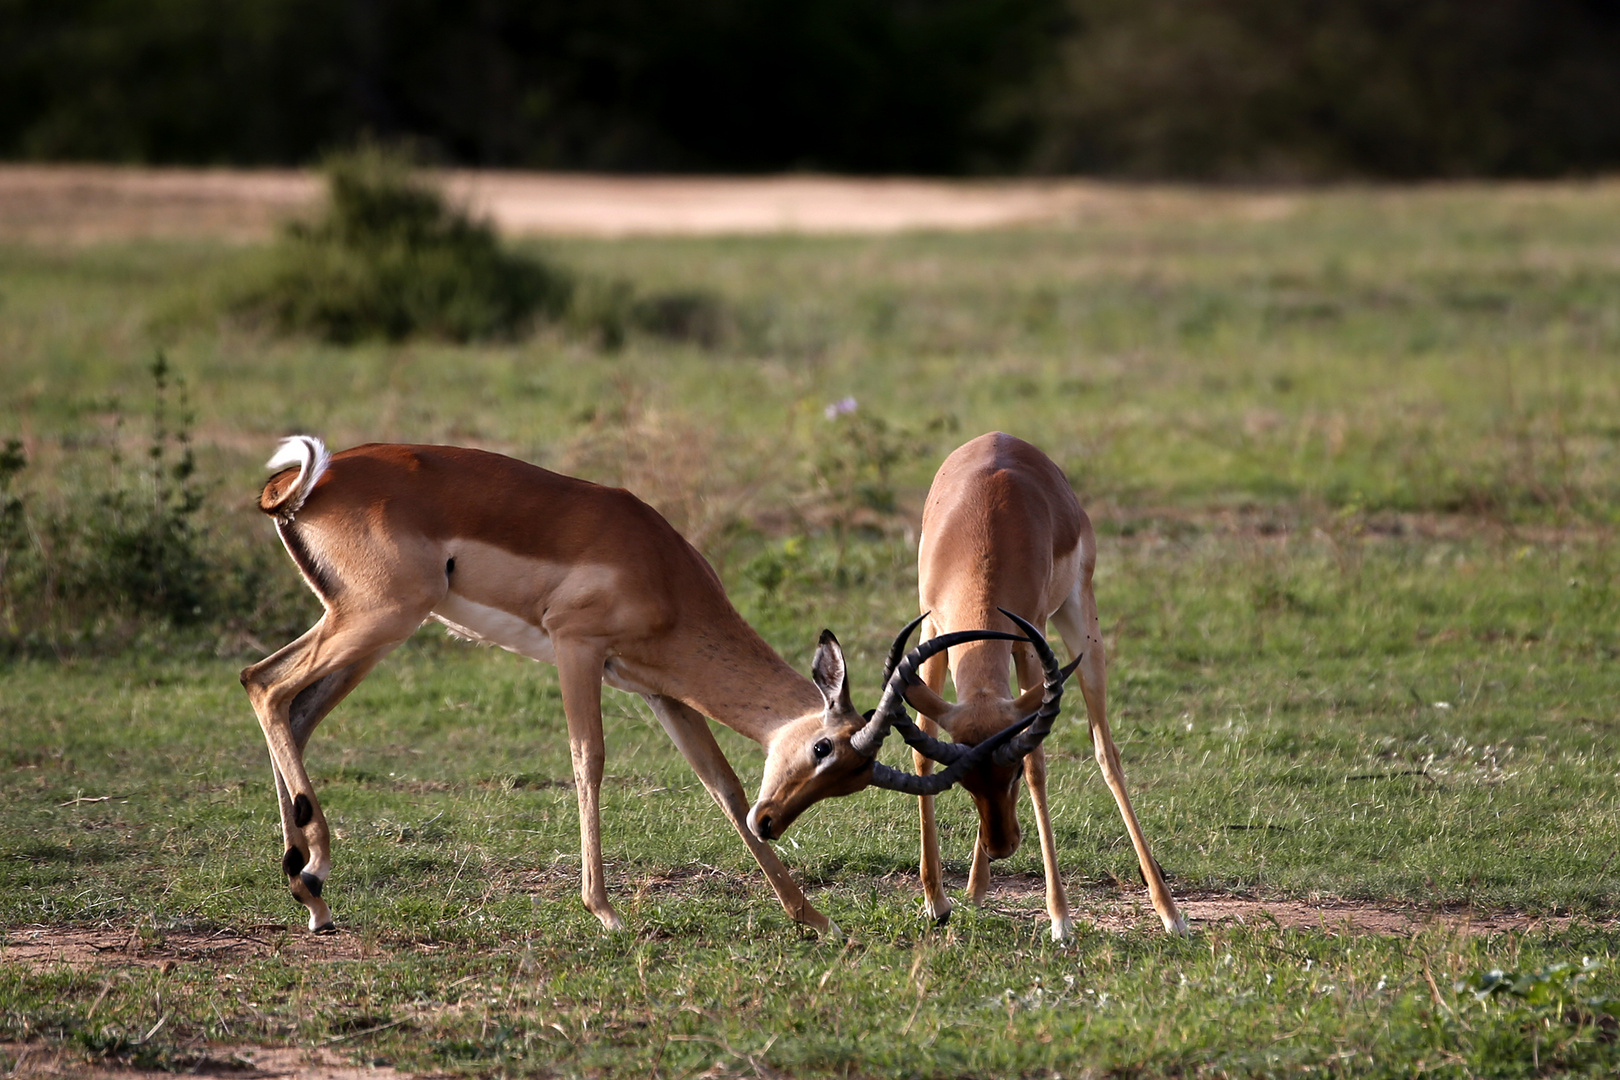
pixel 142 550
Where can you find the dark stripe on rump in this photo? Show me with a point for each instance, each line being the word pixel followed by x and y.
pixel 303 810
pixel 449 568
pixel 292 862
pixel 325 587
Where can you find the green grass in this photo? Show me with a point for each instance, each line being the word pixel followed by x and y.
pixel 1354 471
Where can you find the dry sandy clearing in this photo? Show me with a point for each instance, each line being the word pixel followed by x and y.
pixel 87 204
pixel 40 1061
pixel 39 947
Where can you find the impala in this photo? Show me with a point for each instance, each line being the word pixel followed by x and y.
pixel 585 577
pixel 1003 537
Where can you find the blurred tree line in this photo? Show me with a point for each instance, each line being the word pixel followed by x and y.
pixel 1200 88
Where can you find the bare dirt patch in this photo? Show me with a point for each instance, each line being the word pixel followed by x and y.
pixel 1024 896
pixel 1019 897
pixel 242 1062
pixel 39 947
pixel 56 204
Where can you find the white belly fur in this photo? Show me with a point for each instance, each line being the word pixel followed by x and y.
pixel 482 623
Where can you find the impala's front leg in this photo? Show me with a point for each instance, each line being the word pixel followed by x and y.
pixel 1077 622
pixel 1057 901
pixel 935 902
pixel 978 883
pixel 579 669
pixel 690 732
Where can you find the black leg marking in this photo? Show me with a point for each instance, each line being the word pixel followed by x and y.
pixel 449 568
pixel 293 862
pixel 312 702
pixel 312 883
pixel 303 811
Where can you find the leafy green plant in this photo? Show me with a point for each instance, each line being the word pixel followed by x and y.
pixel 1554 991
pixel 392 258
pixel 857 459
pixel 692 315
pixel 608 310
pixel 1546 1015
pixel 140 549
pixel 138 545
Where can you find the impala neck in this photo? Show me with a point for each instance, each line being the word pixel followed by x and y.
pixel 981 667
pixel 733 676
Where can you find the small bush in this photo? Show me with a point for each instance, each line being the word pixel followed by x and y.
pixel 144 549
pixel 390 258
pixel 853 470
pixel 694 316
pixel 608 310
pixel 137 547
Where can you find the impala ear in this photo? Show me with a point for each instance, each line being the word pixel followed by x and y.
pixel 1029 700
pixel 930 704
pixel 831 677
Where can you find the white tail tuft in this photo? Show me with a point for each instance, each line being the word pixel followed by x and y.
pixel 311 456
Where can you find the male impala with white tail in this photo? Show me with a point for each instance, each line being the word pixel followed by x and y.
pixel 585 577
pixel 1004 536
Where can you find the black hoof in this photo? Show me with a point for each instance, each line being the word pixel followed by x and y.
pixel 328 927
pixel 943 919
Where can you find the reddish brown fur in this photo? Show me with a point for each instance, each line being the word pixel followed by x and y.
pixel 585 576
pixel 1002 529
pixel 998 517
pixel 537 514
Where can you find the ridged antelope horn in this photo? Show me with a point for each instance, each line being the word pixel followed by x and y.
pixel 1040 721
pixel 897 651
pixel 891 709
pixel 911 784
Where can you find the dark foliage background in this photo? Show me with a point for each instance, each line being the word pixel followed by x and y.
pixel 1202 88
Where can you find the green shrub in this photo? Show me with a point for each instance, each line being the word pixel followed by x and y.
pixel 607 310
pixel 692 315
pixel 391 258
pixel 143 549
pixel 137 545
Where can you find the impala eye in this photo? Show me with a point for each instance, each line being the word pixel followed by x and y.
pixel 822 748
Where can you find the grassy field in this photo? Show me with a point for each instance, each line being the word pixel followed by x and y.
pixel 1354 460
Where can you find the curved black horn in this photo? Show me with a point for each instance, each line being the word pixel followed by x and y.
pixel 1041 719
pixel 911 784
pixel 897 651
pixel 891 709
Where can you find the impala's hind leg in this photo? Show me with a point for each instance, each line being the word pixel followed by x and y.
pixel 1076 621
pixel 291 691
pixel 1031 675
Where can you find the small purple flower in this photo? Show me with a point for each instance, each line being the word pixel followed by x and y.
pixel 841 407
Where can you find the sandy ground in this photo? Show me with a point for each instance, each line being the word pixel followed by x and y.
pixel 243 1062
pixel 40 947
pixel 86 204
